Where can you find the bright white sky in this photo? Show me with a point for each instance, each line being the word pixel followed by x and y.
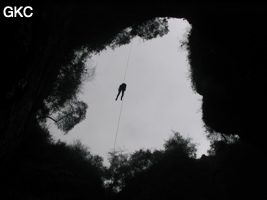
pixel 158 99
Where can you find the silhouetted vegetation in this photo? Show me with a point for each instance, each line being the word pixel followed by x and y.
pixel 43 71
pixel 62 104
pixel 45 58
pixel 47 169
pixel 46 63
pixel 231 171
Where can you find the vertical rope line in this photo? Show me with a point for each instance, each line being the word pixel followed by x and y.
pixel 128 61
pixel 118 125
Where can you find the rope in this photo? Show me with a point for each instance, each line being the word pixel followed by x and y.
pixel 118 125
pixel 128 61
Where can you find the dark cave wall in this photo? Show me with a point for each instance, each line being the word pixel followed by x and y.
pixel 33 50
pixel 227 55
pixel 227 58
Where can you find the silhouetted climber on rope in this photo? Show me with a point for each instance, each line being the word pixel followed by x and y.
pixel 121 90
